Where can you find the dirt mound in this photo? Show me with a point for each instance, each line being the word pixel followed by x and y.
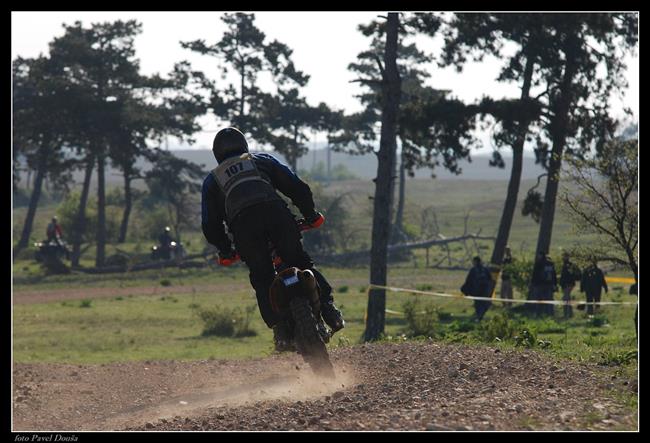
pixel 409 386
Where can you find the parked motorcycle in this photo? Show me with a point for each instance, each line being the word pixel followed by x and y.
pixel 174 251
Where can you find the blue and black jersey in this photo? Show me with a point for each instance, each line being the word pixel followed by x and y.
pixel 275 173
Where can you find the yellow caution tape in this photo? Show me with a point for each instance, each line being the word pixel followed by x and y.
pixel 510 300
pixel 619 280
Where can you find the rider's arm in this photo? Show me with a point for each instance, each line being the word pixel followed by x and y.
pixel 213 214
pixel 287 182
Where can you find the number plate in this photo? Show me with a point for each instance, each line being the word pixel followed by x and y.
pixel 290 280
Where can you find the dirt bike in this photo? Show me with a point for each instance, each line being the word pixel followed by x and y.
pixel 295 295
pixel 173 252
pixel 51 254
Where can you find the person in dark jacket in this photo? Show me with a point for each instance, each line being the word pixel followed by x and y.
pixel 544 283
pixel 240 194
pixel 592 284
pixel 569 275
pixel 477 284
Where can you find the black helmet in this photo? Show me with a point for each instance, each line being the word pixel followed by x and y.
pixel 229 142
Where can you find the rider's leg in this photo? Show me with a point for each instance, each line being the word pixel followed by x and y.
pixel 252 245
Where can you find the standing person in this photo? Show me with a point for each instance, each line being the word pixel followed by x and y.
pixel 240 194
pixel 506 283
pixel 478 284
pixel 544 283
pixel 592 284
pixel 569 275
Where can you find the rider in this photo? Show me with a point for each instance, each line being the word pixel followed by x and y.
pixel 54 231
pixel 241 191
pixel 165 238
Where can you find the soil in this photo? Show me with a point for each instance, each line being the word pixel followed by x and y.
pixel 379 386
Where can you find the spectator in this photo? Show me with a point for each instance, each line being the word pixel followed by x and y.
pixel 592 284
pixel 506 283
pixel 634 290
pixel 544 283
pixel 477 284
pixel 569 275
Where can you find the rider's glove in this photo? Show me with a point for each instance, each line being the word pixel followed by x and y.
pixel 315 220
pixel 228 259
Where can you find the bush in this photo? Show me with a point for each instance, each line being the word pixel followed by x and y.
pixel 424 287
pixel 343 289
pixel 610 358
pixel 526 338
pixel 85 303
pixel 499 327
pixel 420 319
pixel 598 321
pixel 165 282
pixel 225 322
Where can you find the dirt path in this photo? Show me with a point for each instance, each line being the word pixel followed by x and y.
pixel 408 386
pixel 51 295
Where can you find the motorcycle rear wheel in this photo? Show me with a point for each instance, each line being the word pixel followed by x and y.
pixel 309 342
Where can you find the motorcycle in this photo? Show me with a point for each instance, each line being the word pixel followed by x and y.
pixel 174 251
pixel 295 295
pixel 51 254
pixel 51 249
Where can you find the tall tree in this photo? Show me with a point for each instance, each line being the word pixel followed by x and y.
pixel 244 53
pixel 102 58
pixel 578 100
pixel 176 182
pixel 39 126
pixel 382 201
pixel 477 35
pixel 603 199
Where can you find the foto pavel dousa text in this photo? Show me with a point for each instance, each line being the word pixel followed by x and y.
pixel 46 437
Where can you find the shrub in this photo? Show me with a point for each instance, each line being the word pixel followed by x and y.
pixel 424 287
pixel 420 319
pixel 85 303
pixel 598 321
pixel 165 282
pixel 526 338
pixel 225 322
pixel 610 358
pixel 498 327
pixel 343 289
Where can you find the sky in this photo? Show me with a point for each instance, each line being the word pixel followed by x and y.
pixel 323 44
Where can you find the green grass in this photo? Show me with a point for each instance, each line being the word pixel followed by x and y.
pixel 128 327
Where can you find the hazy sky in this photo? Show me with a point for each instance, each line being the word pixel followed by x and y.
pixel 324 43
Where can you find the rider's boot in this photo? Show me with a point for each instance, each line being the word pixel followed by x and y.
pixel 283 337
pixel 332 316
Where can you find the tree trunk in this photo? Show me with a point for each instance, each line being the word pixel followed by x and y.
pixel 398 227
pixel 101 212
pixel 515 177
pixel 382 201
pixel 33 199
pixel 127 207
pixel 559 126
pixel 80 223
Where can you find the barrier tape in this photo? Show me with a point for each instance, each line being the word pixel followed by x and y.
pixel 510 300
pixel 619 280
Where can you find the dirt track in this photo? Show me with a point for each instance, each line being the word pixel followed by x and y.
pixel 408 386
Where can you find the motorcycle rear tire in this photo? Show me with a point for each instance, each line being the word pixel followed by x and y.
pixel 309 342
